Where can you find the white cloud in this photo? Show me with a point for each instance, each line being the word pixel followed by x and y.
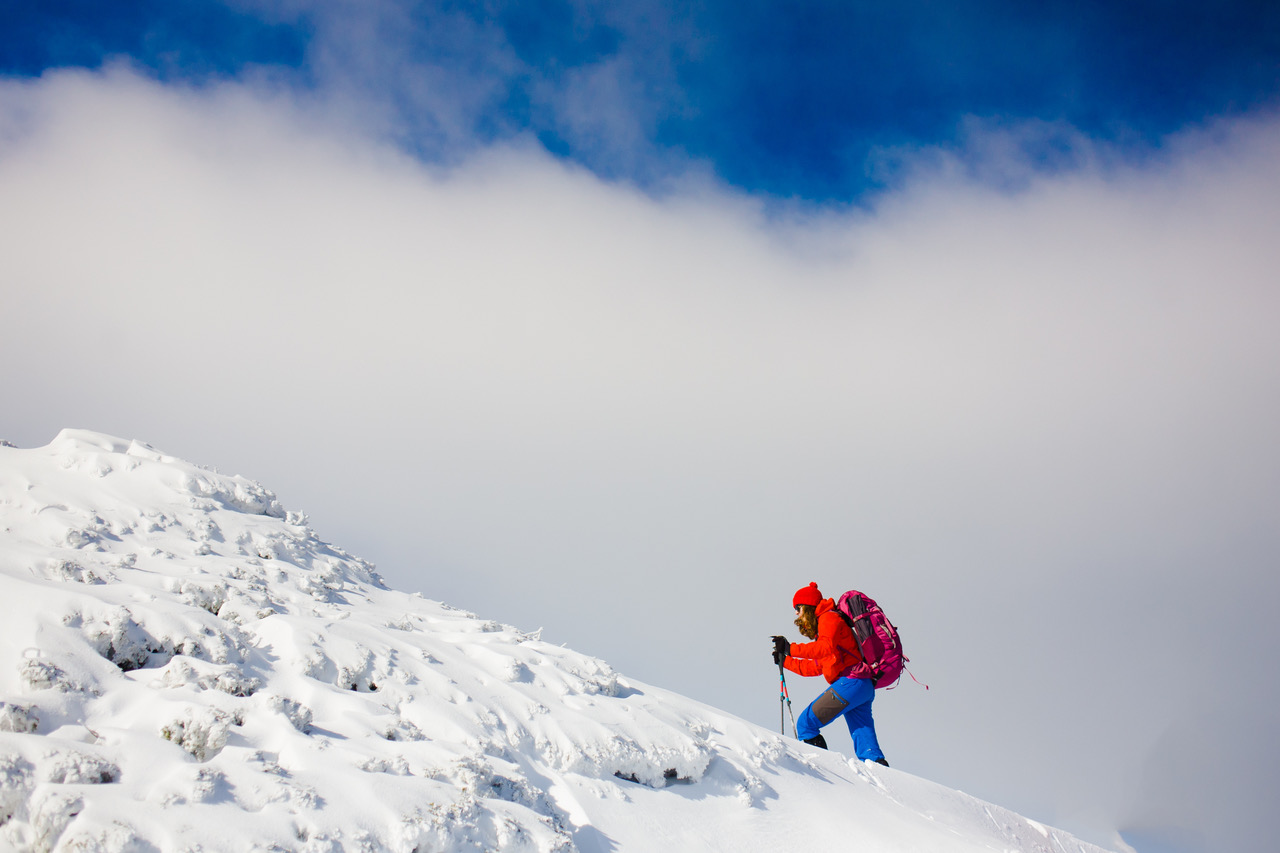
pixel 1037 426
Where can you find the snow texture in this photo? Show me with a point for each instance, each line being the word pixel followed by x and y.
pixel 186 666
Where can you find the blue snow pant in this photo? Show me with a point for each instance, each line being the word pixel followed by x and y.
pixel 849 698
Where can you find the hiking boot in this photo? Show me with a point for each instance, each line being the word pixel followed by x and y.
pixel 817 740
pixel 882 761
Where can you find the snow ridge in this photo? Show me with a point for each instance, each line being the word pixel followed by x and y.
pixel 186 666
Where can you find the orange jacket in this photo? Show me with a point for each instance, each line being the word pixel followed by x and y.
pixel 832 654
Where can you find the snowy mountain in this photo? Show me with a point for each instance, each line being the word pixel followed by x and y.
pixel 185 666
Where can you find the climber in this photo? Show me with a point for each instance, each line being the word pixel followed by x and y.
pixel 834 655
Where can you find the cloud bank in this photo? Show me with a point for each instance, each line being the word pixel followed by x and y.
pixel 1036 422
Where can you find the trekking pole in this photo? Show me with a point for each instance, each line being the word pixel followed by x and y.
pixel 784 700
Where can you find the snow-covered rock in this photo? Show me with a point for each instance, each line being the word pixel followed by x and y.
pixel 186 666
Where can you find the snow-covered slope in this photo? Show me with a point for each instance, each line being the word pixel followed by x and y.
pixel 184 665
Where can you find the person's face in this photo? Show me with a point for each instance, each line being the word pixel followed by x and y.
pixel 807 621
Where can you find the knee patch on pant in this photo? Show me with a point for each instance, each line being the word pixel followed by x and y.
pixel 828 706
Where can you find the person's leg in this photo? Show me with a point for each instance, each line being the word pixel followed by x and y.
pixel 821 711
pixel 862 727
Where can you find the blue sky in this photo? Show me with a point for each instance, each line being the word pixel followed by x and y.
pixel 686 307
pixel 811 100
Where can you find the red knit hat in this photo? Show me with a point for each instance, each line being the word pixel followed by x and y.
pixel 809 595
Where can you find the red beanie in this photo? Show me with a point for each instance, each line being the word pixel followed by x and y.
pixel 809 595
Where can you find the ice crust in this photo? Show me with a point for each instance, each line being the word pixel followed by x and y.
pixel 186 666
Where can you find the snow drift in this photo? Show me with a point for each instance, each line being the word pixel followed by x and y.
pixel 186 666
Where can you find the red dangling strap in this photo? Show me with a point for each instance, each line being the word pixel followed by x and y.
pixel 913 678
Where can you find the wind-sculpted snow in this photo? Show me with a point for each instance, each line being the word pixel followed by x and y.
pixel 184 665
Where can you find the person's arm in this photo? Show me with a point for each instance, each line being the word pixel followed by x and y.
pixel 802 666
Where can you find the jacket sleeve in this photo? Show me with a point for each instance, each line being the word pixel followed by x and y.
pixel 802 666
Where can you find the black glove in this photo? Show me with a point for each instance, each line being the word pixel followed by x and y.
pixel 781 649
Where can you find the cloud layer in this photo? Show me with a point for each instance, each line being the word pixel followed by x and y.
pixel 1036 423
pixel 794 105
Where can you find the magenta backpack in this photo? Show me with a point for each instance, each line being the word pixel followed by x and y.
pixel 882 657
